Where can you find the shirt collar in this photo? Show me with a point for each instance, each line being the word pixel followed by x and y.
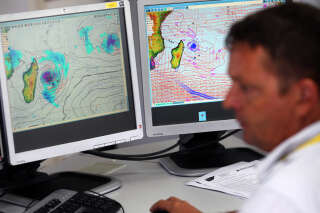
pixel 286 147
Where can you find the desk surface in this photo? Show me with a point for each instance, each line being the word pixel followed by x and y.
pixel 145 182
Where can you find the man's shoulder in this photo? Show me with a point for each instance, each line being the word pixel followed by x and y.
pixel 297 175
pixel 294 181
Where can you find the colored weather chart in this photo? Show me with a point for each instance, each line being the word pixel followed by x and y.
pixel 187 56
pixel 64 69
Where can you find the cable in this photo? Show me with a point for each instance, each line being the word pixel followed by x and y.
pixel 119 156
pixel 123 157
pixel 156 153
pixel 219 139
pixel 3 193
pixel 30 205
pixel 149 156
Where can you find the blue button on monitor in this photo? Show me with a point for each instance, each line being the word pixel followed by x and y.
pixel 203 116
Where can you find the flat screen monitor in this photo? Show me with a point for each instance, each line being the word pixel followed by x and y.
pixel 68 81
pixel 184 63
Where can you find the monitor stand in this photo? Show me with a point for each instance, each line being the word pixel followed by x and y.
pixel 193 162
pixel 25 181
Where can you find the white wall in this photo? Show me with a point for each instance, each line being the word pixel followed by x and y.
pixel 313 2
pixel 63 3
pixel 14 6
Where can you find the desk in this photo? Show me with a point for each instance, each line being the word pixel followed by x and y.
pixel 143 183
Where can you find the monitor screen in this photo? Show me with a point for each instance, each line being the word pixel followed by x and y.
pixel 68 80
pixel 184 62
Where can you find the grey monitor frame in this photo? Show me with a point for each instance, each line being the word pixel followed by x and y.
pixel 83 145
pixel 172 129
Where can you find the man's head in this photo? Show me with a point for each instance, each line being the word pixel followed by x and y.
pixel 275 67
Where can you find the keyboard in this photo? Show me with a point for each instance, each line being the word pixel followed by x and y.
pixel 68 201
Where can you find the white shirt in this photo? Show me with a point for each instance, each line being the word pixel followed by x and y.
pixel 292 184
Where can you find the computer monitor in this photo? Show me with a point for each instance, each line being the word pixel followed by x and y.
pixel 184 70
pixel 68 81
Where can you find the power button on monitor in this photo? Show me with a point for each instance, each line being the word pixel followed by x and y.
pixel 203 116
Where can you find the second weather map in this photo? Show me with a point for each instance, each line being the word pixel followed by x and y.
pixel 64 68
pixel 187 57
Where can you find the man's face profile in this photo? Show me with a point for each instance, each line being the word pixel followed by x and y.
pixel 255 97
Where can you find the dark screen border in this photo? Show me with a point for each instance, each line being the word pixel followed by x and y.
pixel 189 113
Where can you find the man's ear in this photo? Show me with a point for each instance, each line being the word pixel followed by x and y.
pixel 307 97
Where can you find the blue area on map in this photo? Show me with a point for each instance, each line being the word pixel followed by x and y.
pixel 51 78
pixel 14 56
pixel 84 34
pixel 111 42
pixel 193 92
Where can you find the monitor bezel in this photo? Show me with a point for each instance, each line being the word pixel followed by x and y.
pixel 171 129
pixel 81 145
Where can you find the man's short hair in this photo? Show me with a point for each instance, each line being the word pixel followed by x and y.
pixel 290 33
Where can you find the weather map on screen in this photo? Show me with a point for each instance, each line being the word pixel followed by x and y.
pixel 64 68
pixel 187 57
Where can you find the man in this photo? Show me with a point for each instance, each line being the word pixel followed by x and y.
pixel 275 68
